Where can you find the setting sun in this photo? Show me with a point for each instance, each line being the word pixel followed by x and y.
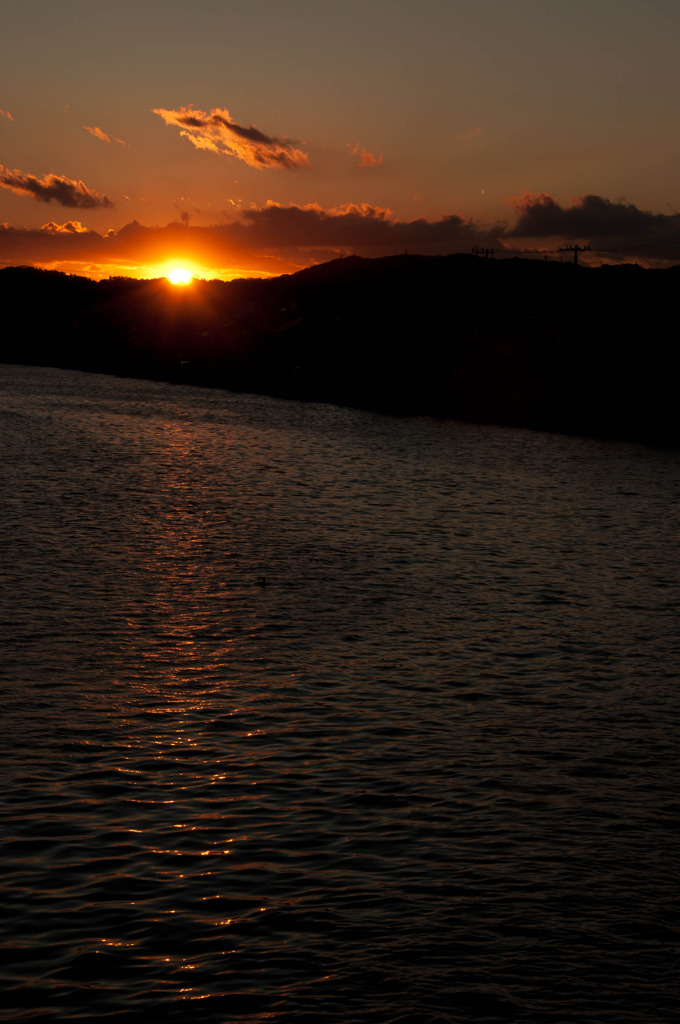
pixel 180 275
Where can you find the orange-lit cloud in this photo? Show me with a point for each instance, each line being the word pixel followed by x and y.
pixel 217 132
pixel 277 239
pixel 273 239
pixel 71 227
pixel 52 188
pixel 99 134
pixel 366 159
pixel 6 113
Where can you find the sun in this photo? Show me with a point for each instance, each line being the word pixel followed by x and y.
pixel 179 275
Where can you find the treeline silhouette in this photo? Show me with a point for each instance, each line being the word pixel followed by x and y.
pixel 519 341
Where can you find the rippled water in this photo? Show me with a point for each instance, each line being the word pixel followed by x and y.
pixel 312 714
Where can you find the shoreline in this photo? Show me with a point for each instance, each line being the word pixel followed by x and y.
pixel 523 343
pixel 569 415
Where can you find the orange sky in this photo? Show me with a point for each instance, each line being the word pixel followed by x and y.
pixel 257 138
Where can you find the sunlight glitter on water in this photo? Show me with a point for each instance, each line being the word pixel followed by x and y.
pixel 427 773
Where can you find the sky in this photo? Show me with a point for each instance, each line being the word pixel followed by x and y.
pixel 256 138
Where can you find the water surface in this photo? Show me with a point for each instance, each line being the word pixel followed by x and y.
pixel 317 714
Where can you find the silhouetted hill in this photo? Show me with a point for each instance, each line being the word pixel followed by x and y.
pixel 518 341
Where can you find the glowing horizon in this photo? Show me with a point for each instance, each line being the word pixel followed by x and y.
pixel 119 165
pixel 180 276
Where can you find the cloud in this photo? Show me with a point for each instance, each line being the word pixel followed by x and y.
pixel 274 239
pixel 617 230
pixel 52 242
pixel 6 113
pixel 99 134
pixel 590 216
pixel 358 228
pixel 278 239
pixel 71 227
pixel 52 188
pixel 366 159
pixel 217 132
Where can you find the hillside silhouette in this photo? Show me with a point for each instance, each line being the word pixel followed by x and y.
pixel 518 341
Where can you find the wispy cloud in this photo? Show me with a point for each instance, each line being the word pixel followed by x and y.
pixel 52 188
pixel 469 134
pixel 366 159
pixel 217 132
pixel 6 113
pixel 99 134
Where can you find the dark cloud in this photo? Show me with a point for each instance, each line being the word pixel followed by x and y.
pixel 216 131
pixel 53 188
pixel 274 239
pixel 615 231
pixel 278 239
pixel 253 134
pixel 591 217
pixel 53 242
pixel 358 228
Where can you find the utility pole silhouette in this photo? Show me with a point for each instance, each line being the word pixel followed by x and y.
pixel 576 249
pixel 479 252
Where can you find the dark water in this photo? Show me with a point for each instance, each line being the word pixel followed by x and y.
pixel 427 773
